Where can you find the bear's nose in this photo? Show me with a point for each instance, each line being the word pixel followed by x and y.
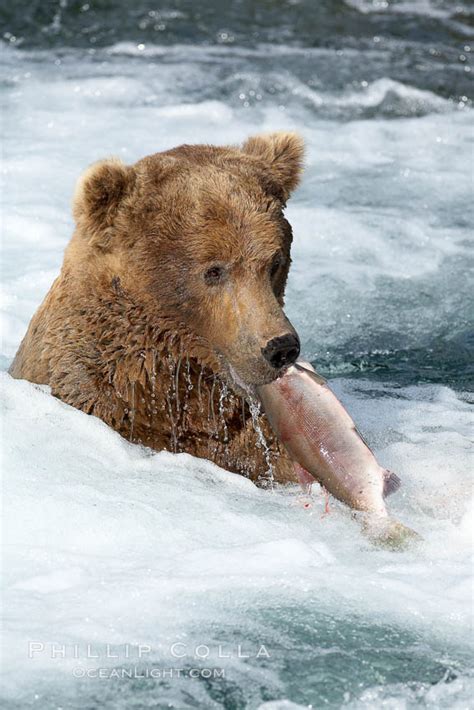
pixel 282 350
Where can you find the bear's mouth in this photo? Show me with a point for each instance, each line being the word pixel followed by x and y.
pixel 259 373
pixel 249 390
pixel 237 383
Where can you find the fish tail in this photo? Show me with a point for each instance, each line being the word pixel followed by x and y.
pixel 391 483
pixel 389 533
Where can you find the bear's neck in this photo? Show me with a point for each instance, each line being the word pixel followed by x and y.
pixel 155 387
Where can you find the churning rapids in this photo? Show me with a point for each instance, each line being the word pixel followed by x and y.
pixel 124 560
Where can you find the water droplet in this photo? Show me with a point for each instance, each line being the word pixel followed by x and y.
pixel 261 441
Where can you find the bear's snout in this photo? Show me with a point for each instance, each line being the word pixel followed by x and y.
pixel 282 350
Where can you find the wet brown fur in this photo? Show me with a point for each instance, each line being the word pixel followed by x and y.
pixel 132 333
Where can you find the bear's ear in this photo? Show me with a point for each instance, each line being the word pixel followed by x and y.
pixel 283 152
pixel 97 197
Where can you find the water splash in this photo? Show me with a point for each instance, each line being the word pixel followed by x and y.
pixel 222 397
pixel 211 409
pixel 189 382
pixel 153 407
pixel 176 385
pixel 267 480
pixel 170 398
pixel 132 409
pixel 188 387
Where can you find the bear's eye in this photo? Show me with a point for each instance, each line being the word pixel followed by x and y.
pixel 275 265
pixel 214 275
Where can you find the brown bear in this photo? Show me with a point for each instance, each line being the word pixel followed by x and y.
pixel 168 308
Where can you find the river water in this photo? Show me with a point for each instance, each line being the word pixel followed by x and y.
pixel 111 549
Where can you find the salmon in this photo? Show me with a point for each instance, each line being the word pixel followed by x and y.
pixel 322 440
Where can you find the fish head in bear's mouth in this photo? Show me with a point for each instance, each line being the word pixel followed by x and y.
pixel 248 388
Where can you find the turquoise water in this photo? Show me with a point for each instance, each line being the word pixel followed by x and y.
pixel 316 659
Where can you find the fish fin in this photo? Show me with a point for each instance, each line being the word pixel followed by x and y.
pixel 305 478
pixel 361 436
pixel 391 483
pixel 306 367
pixel 390 534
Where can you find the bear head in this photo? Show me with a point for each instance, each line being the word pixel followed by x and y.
pixel 196 236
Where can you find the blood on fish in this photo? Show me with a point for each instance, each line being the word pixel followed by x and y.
pixel 305 478
pixel 327 509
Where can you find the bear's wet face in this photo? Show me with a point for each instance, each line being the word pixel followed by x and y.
pixel 237 260
pixel 198 238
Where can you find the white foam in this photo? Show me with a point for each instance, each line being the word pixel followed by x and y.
pixel 456 695
pixel 416 7
pixel 374 95
pixel 104 530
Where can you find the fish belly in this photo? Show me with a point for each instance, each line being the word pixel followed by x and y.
pixel 320 436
